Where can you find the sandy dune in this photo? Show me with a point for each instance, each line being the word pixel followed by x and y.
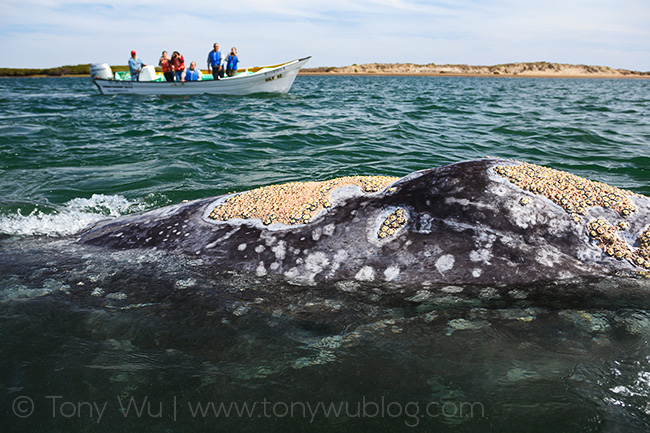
pixel 537 69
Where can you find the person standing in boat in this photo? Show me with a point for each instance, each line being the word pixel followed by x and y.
pixel 214 62
pixel 178 63
pixel 231 62
pixel 166 65
pixel 135 66
pixel 193 74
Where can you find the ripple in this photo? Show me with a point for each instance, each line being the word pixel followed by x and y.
pixel 340 125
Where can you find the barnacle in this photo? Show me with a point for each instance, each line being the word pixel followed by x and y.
pixel 291 203
pixel 576 195
pixel 393 222
pixel 573 193
pixel 606 237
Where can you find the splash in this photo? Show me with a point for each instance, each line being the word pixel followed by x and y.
pixel 69 218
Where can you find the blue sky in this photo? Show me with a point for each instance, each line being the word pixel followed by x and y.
pixel 46 33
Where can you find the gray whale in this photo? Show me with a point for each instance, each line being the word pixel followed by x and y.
pixel 486 221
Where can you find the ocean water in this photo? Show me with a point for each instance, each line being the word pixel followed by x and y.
pixel 147 341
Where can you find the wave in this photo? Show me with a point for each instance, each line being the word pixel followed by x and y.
pixel 70 218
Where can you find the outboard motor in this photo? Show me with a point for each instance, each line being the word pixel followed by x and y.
pixel 101 70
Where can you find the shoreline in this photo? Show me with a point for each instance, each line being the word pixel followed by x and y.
pixel 474 75
pixel 418 74
pixel 508 70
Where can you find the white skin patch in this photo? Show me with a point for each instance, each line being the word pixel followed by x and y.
pixel 445 263
pixel 476 273
pixel 328 230
pixel 365 274
pixel 316 262
pixel 259 248
pixel 391 273
pixel 547 258
pixel 460 201
pixel 241 247
pixel 425 223
pixel 480 256
pixel 261 270
pixel 280 250
pixel 523 216
pixel 339 257
pixel 499 190
pixel 484 238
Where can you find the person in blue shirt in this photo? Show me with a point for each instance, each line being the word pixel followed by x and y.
pixel 214 62
pixel 193 74
pixel 135 66
pixel 231 62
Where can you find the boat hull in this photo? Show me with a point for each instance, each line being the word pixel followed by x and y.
pixel 278 79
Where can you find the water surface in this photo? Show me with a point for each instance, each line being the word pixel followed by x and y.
pixel 83 329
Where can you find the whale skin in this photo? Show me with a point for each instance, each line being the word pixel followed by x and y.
pixel 485 221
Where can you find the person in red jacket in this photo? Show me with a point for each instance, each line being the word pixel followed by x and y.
pixel 178 62
pixel 166 65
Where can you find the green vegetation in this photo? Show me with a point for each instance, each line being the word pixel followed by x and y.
pixel 60 71
pixel 50 72
pixel 319 69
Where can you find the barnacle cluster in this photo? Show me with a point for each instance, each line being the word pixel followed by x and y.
pixel 392 223
pixel 291 203
pixel 643 250
pixel 573 193
pixel 576 195
pixel 606 237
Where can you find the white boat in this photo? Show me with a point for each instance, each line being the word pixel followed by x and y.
pixel 262 79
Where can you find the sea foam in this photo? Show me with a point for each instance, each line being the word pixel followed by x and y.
pixel 69 218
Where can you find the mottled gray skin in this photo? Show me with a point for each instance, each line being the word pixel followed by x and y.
pixel 465 226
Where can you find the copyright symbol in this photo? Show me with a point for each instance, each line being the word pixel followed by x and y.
pixel 23 406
